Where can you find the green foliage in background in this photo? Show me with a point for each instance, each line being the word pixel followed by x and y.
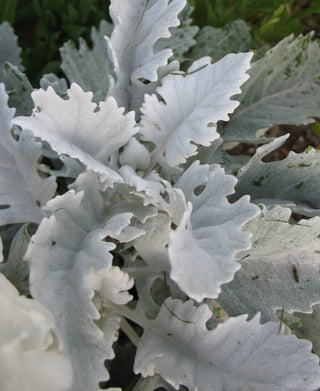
pixel 270 20
pixel 44 25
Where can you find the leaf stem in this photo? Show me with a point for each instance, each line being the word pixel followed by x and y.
pixel 129 331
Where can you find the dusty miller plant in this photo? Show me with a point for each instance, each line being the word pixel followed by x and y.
pixel 157 241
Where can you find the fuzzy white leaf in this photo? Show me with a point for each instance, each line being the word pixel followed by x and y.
pixel 136 155
pixel 202 249
pixel 282 88
pixel 280 270
pixel 29 359
pixel 75 128
pixel 152 282
pixel 237 355
pixel 66 247
pixel 152 188
pixel 112 284
pixel 194 103
pixel 23 191
pixel 137 27
pixel 182 37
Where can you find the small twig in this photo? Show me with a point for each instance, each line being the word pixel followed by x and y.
pixel 26 231
pixel 173 314
pixel 281 320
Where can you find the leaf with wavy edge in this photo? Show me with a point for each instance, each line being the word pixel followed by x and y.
pixel 9 49
pixel 22 189
pixel 280 270
pixel 292 182
pixel 237 354
pixel 283 88
pixel 234 37
pixel 193 103
pixel 138 26
pixel 182 36
pixel 75 128
pixel 112 284
pixel 67 246
pixel 89 67
pixel 29 353
pixel 202 249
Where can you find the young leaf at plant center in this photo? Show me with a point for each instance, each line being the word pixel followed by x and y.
pixel 194 103
pixel 237 354
pixel 282 89
pixel 75 128
pixel 281 270
pixel 23 191
pixel 202 249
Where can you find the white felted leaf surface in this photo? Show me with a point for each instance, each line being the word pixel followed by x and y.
pixel 66 248
pixel 237 355
pixel 151 274
pixel 182 36
pixel 292 182
pixel 193 104
pixel 282 88
pixel 135 155
pixel 112 284
pixel 23 192
pixel 202 249
pixel 137 27
pixel 29 359
pixel 280 270
pixel 75 128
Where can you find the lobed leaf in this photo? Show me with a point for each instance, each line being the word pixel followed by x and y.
pixel 283 88
pixel 89 68
pixel 234 37
pixel 192 105
pixel 236 355
pixel 137 27
pixel 75 127
pixel 202 248
pixel 281 270
pixel 23 191
pixel 292 182
pixel 67 247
